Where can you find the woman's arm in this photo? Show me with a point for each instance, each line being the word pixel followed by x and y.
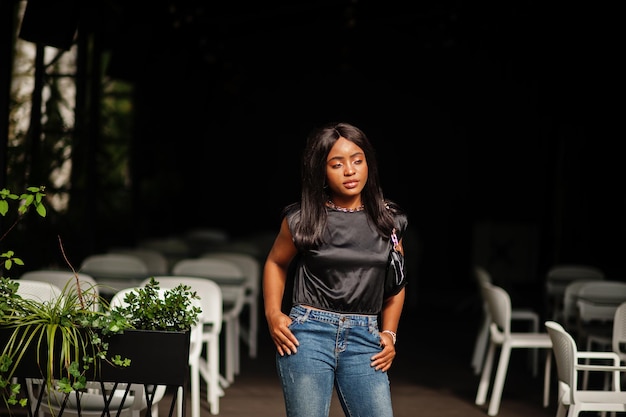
pixel 274 279
pixel 390 318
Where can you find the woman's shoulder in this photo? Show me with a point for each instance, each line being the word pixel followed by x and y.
pixel 290 209
pixel 395 209
pixel 393 206
pixel 291 213
pixel 402 222
pixel 399 215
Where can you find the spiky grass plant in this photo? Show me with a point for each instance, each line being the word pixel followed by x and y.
pixel 68 333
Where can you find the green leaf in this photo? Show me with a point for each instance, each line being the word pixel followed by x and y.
pixel 4 194
pixel 5 362
pixel 80 383
pixel 65 385
pixel 73 369
pixel 119 361
pixel 41 210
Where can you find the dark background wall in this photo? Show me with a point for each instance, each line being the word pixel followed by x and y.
pixel 495 122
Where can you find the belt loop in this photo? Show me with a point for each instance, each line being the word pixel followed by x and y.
pixel 307 312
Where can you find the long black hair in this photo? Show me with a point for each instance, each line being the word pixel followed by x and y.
pixel 308 231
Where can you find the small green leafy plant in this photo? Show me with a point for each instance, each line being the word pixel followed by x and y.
pixel 146 309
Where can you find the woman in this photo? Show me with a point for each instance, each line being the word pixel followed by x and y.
pixel 338 236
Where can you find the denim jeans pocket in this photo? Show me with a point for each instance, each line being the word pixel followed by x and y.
pixel 296 316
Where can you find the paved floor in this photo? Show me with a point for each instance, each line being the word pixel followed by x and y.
pixel 431 376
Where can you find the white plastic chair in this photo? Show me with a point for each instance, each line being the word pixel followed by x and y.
pixel 38 290
pixel 499 304
pixel 174 248
pixel 195 352
pixel 597 302
pixel 574 400
pixel 252 269
pixel 115 271
pixel 211 304
pixel 617 340
pixel 202 239
pixel 517 314
pixel 88 285
pixel 155 261
pixel 557 279
pixel 569 312
pixel 242 245
pixel 232 281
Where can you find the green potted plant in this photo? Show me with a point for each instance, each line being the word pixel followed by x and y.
pixel 77 337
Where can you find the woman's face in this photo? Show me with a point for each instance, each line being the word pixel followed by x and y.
pixel 346 170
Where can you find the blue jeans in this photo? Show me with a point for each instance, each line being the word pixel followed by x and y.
pixel 335 349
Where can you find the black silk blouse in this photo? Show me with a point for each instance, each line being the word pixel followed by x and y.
pixel 346 274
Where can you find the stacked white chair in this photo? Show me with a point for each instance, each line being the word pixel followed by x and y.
pixel 501 336
pixel 174 248
pixel 155 261
pixel 569 313
pixel 63 279
pixel 557 279
pixel 597 302
pixel 202 239
pixel 232 281
pixel 521 314
pixel 252 269
pixel 115 271
pixel 570 362
pixel 38 290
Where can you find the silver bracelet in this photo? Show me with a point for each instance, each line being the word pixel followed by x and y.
pixel 392 334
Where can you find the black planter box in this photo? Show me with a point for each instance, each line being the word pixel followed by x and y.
pixel 157 357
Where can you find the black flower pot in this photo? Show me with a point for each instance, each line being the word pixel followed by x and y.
pixel 156 358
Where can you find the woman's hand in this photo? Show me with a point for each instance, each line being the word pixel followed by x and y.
pixel 285 341
pixel 383 359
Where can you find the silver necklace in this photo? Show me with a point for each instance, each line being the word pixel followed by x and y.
pixel 344 209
